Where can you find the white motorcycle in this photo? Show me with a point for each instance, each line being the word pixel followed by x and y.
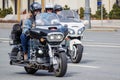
pixel 76 28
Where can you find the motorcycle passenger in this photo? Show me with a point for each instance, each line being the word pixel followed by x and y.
pixel 35 8
pixel 49 8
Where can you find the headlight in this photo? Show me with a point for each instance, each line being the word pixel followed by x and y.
pixel 55 36
pixel 52 37
pixel 71 31
pixel 81 30
pixel 59 37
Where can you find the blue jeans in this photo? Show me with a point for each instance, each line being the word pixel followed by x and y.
pixel 25 44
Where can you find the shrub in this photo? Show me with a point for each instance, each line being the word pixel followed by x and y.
pixel 98 13
pixel 5 11
pixel 81 12
pixel 115 12
pixel 66 7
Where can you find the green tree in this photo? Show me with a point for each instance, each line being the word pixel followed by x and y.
pixel 98 13
pixel 81 12
pixel 9 10
pixel 5 11
pixel 66 7
pixel 115 12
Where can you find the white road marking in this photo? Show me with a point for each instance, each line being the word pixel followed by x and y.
pixel 84 66
pixel 85 53
pixel 88 40
pixel 90 44
pixel 4 39
pixel 96 45
pixel 101 43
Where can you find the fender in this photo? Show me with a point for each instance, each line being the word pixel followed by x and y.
pixel 72 42
pixel 61 50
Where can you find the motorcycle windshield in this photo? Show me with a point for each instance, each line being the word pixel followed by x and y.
pixel 69 16
pixel 47 19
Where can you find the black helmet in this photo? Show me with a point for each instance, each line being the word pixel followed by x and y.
pixel 35 6
pixel 58 8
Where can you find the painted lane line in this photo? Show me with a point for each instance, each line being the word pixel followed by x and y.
pixel 111 46
pixel 4 39
pixel 101 43
pixel 84 66
pixel 85 53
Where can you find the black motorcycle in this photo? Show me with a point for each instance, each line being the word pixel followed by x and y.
pixel 46 52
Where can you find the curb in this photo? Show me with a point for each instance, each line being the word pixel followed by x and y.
pixel 6 25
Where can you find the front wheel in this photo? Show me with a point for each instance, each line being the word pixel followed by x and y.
pixel 30 70
pixel 61 66
pixel 76 53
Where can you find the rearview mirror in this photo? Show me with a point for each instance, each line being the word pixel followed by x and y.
pixel 85 22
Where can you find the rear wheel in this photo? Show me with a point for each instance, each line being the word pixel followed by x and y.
pixel 30 70
pixel 61 67
pixel 77 53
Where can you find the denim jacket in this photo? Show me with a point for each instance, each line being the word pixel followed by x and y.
pixel 27 24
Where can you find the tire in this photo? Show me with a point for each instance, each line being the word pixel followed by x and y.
pixel 79 53
pixel 62 64
pixel 30 70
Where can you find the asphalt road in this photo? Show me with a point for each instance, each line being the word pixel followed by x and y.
pixel 100 61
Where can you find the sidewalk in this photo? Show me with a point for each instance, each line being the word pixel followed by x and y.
pixel 6 25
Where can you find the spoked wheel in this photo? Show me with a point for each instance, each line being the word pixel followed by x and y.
pixel 60 67
pixel 76 55
pixel 30 70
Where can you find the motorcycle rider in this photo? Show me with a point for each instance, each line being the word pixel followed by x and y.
pixel 49 8
pixel 57 9
pixel 35 8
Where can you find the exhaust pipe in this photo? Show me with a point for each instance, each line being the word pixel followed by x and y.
pixel 11 63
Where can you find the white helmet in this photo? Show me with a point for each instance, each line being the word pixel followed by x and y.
pixel 49 6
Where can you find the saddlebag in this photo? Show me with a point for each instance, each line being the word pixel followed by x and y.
pixel 15 34
pixel 13 54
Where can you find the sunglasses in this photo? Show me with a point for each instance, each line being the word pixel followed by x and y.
pixel 37 10
pixel 49 9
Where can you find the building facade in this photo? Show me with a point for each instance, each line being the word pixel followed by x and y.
pixel 13 3
pixel 73 4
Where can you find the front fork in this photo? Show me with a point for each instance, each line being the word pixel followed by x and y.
pixel 52 51
pixel 70 44
pixel 53 61
pixel 74 42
